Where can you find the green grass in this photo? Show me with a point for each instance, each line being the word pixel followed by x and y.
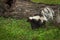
pixel 12 29
pixel 47 1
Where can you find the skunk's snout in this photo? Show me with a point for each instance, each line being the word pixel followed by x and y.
pixel 28 19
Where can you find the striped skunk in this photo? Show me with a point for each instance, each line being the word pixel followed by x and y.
pixel 39 20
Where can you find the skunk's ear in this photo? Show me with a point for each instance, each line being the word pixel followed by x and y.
pixel 39 20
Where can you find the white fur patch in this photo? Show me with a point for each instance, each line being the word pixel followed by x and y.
pixel 30 18
pixel 38 17
pixel 43 18
pixel 35 17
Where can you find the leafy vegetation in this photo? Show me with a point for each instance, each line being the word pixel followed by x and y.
pixel 13 29
pixel 47 1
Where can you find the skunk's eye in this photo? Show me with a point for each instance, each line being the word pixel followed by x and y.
pixel 39 20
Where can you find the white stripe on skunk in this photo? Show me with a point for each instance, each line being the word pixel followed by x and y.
pixel 43 18
pixel 48 12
